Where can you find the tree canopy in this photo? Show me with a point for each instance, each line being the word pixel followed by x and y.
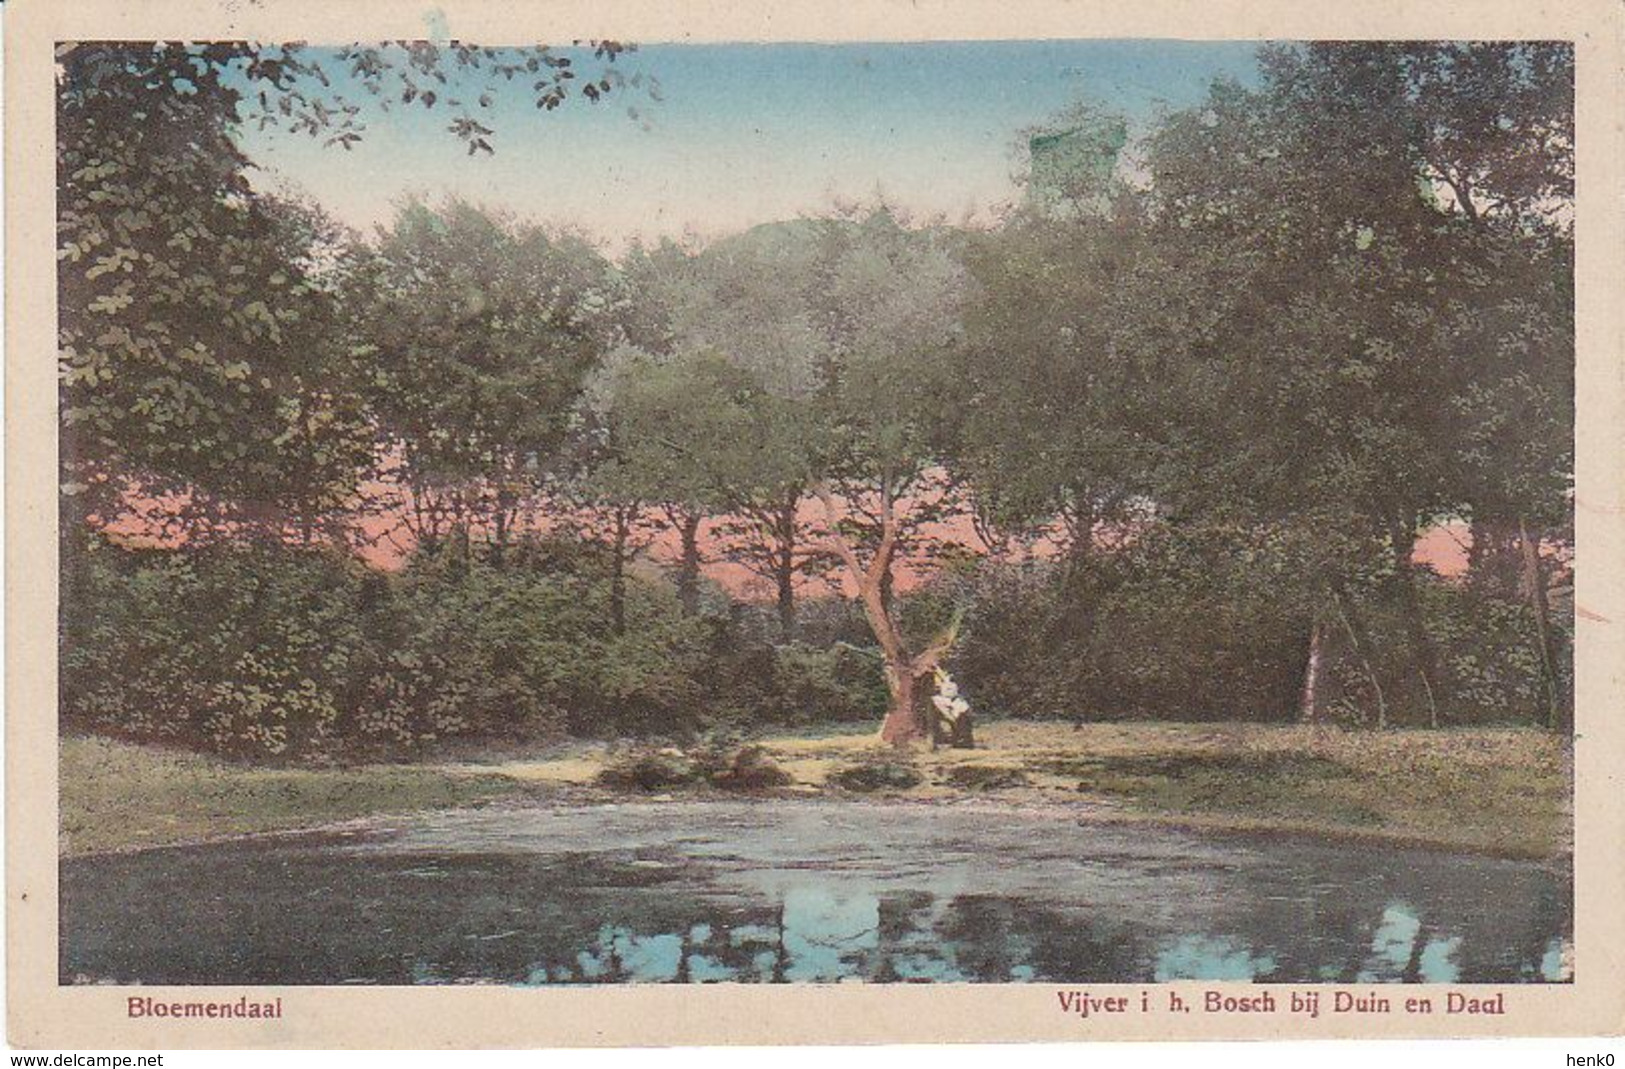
pixel 1230 367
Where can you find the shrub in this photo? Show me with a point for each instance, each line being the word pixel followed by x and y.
pixel 285 652
pixel 650 770
pixel 985 777
pixel 243 650
pixel 1185 625
pixel 1163 629
pixel 526 651
pixel 749 769
pixel 877 776
pixel 813 685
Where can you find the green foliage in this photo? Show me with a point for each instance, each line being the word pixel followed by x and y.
pixel 877 776
pixel 242 650
pixel 812 684
pixel 650 770
pixel 1049 390
pixel 290 653
pixel 1488 651
pixel 748 679
pixel 205 342
pixel 1339 308
pixel 699 430
pixel 482 332
pixel 726 766
pixel 1176 628
pixel 202 336
pixel 1367 310
pixel 1192 625
pixel 528 651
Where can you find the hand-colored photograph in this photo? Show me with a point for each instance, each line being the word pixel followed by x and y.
pixel 1053 511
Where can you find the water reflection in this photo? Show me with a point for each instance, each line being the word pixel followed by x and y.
pixel 1206 957
pixel 862 896
pixel 814 940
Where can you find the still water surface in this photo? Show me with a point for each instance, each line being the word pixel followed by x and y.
pixel 773 891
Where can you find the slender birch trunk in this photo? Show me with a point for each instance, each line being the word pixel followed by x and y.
pixel 1309 703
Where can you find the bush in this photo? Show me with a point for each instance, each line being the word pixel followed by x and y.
pixel 1183 625
pixel 749 678
pixel 1165 629
pixel 241 650
pixel 650 770
pixel 722 765
pixel 985 777
pixel 1486 650
pixel 525 651
pixel 749 769
pixel 285 652
pixel 877 776
pixel 813 685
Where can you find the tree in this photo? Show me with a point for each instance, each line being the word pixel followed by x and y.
pixel 481 333
pixel 1310 211
pixel 891 304
pixel 699 436
pixel 196 330
pixel 1058 409
pixel 815 341
pixel 194 311
pixel 741 316
pixel 1051 400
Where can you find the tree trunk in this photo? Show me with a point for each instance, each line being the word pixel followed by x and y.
pixel 499 543
pixel 1357 639
pixel 1080 547
pixel 463 522
pixel 1534 583
pixel 910 696
pixel 1492 559
pixel 617 575
pixel 908 675
pixel 1309 703
pixel 785 565
pixel 688 569
pixel 1403 537
pixel 787 605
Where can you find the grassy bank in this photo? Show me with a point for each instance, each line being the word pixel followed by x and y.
pixel 1495 791
pixel 117 796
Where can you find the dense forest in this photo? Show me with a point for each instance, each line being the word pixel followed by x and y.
pixel 1159 442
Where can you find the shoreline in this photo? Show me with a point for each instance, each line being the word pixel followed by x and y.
pixel 1484 792
pixel 1084 811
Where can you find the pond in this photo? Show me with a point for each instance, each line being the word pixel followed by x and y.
pixel 802 891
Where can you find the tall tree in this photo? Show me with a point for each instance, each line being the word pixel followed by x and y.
pixel 891 306
pixel 194 312
pixel 1320 213
pixel 748 302
pixel 704 439
pixel 482 333
pixel 1051 400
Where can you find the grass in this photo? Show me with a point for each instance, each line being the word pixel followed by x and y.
pixel 118 796
pixel 1501 791
pixel 1496 791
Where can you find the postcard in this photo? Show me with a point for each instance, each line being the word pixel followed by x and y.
pixel 567 524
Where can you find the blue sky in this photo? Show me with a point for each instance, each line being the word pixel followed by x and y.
pixel 744 134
